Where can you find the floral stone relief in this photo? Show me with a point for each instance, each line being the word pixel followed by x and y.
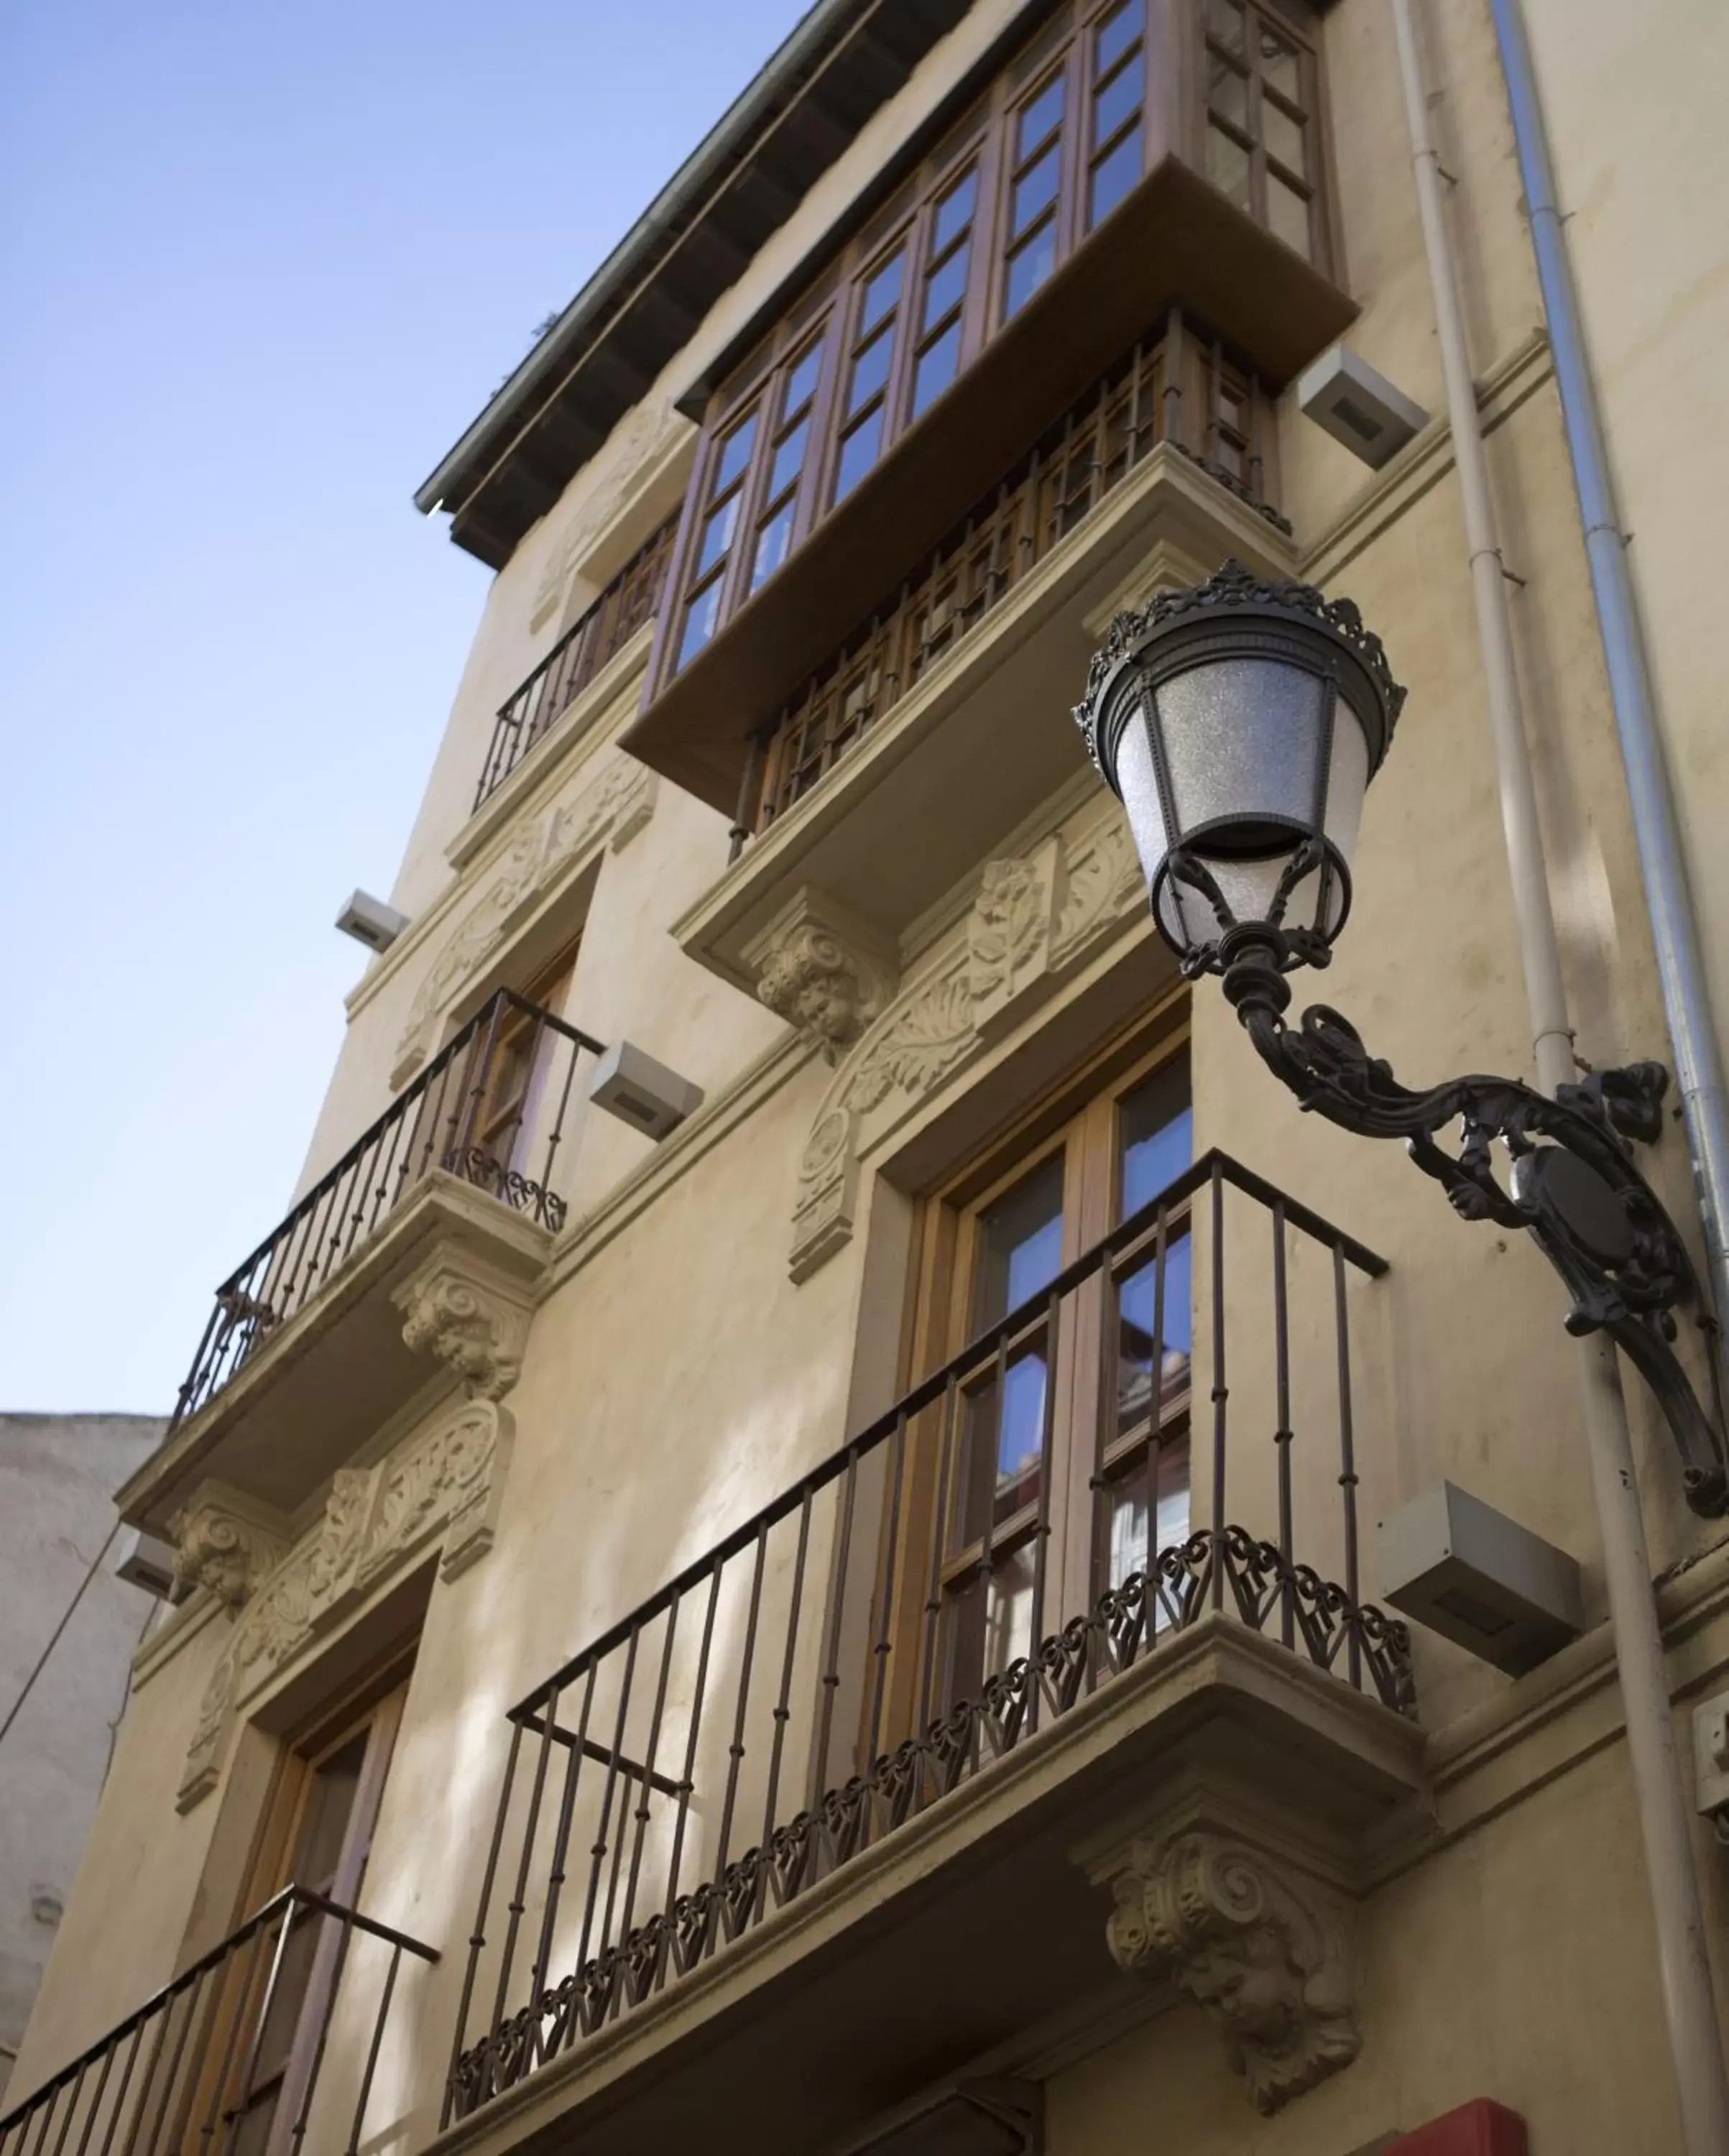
pixel 1262 1948
pixel 1035 919
pixel 469 1315
pixel 443 1488
pixel 545 851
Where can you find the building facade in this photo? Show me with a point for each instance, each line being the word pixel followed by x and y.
pixel 57 1476
pixel 812 1582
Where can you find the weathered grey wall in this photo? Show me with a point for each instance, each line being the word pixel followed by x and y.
pixel 56 1473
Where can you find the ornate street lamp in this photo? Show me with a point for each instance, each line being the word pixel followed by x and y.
pixel 1239 723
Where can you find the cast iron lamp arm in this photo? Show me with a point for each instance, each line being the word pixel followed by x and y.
pixel 1579 1194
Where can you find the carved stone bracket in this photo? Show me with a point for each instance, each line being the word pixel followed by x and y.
pixel 545 851
pixel 441 1487
pixel 472 1316
pixel 1263 1947
pixel 1034 921
pixel 225 1542
pixel 824 970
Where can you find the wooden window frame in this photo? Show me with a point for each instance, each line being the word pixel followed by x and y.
pixel 1262 16
pixel 940 1289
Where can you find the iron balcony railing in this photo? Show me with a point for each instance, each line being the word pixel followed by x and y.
pixel 280 2024
pixel 1178 385
pixel 489 1107
pixel 579 654
pixel 970 1566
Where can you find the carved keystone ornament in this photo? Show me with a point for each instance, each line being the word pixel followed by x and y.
pixel 1266 1951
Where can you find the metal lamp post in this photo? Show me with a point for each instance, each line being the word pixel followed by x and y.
pixel 1239 723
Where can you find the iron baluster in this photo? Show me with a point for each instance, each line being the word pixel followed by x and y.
pixel 1347 1460
pixel 1282 1435
pixel 477 1937
pixel 365 2086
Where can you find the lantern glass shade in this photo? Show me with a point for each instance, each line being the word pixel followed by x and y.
pixel 1241 760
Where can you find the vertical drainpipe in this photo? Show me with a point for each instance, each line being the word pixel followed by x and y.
pixel 1680 971
pixel 1684 1965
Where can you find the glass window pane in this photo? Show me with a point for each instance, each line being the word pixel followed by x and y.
pixel 788 456
pixel 772 541
pixel 1228 167
pixel 801 379
pixel 955 211
pixel 1225 22
pixel 870 370
pixel 1279 67
pixel 1167 1471
pixel 1029 269
pixel 858 454
pixel 1020 1243
pixel 1228 92
pixel 1037 116
pixel 1155 1335
pixel 1287 215
pixel 1116 34
pixel 944 287
pixel 1155 1128
pixel 881 292
pixel 936 368
pixel 735 454
pixel 1116 173
pixel 1035 190
pixel 1113 104
pixel 1284 138
pixel 700 620
pixel 329 1803
pixel 716 536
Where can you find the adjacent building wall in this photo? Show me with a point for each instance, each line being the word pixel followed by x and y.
pixel 58 1474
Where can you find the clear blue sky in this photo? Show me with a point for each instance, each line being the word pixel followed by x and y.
pixel 262 263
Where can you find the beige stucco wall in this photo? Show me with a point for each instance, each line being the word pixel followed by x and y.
pixel 1631 99
pixel 675 1378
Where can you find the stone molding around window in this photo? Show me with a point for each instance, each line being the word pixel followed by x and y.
pixel 1265 1949
pixel 439 1488
pixel 548 851
pixel 1035 919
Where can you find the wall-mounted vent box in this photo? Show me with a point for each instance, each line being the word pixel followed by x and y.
pixel 1358 406
pixel 1455 1564
pixel 371 921
pixel 633 1086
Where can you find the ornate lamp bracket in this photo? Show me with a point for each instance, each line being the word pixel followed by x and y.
pixel 1571 1180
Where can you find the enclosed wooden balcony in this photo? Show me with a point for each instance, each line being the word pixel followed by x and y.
pixel 1124 160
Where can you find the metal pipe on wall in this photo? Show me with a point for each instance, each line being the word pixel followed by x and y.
pixel 1680 970
pixel 1689 2008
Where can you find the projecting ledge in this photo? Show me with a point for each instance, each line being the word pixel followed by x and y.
pixel 954 766
pixel 448 1278
pixel 968 1927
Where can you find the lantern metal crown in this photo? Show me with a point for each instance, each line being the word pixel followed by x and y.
pixel 1239 722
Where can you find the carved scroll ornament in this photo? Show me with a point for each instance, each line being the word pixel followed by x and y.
pixel 1266 1951
pixel 444 1487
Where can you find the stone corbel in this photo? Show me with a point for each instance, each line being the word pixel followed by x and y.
pixel 227 1542
pixel 1256 1940
pixel 824 969
pixel 471 1315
